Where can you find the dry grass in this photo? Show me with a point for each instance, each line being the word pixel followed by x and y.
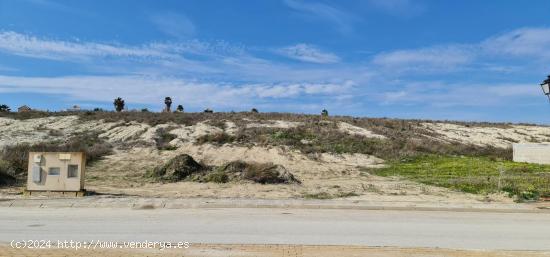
pixel 163 138
pixel 403 141
pixel 405 138
pixel 154 118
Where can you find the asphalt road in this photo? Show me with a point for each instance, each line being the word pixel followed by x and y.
pixel 460 230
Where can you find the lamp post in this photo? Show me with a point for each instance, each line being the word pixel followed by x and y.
pixel 545 85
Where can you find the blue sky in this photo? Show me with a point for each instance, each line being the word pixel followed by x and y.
pixel 459 60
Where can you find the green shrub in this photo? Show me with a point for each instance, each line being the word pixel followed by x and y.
pixel 216 139
pixel 320 195
pixel 6 179
pixel 177 169
pixel 216 177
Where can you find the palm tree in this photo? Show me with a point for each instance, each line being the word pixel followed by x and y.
pixel 168 103
pixel 179 108
pixel 324 113
pixel 119 104
pixel 4 108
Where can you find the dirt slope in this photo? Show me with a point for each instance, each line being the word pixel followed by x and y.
pixel 322 174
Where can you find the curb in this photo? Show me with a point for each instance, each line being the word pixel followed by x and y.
pixel 149 204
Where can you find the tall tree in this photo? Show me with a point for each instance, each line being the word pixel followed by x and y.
pixel 168 103
pixel 4 108
pixel 119 104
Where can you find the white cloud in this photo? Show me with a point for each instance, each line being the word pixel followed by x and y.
pixel 526 44
pixel 218 60
pixel 340 19
pixel 173 24
pixel 192 93
pixel 230 76
pixel 308 53
pixel 437 58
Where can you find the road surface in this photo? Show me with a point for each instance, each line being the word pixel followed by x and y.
pixel 458 230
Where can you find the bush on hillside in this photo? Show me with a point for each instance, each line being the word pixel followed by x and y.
pixel 177 169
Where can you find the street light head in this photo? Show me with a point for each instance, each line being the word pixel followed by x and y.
pixel 545 85
pixel 545 88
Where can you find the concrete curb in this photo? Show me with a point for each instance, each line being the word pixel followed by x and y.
pixel 164 203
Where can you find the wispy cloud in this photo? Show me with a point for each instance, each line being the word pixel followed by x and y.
pixel 432 58
pixel 440 94
pixel 218 60
pixel 529 45
pixel 340 19
pixel 308 53
pixel 174 24
pixel 524 42
pixel 30 46
pixel 192 93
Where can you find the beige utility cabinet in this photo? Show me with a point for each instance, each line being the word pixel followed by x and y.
pixel 56 171
pixel 538 153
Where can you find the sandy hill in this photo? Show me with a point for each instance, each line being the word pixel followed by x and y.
pixel 329 155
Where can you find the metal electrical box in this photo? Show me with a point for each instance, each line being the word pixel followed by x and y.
pixel 56 171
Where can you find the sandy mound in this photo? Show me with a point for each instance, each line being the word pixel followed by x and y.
pixel 191 133
pixel 125 132
pixel 46 129
pixel 494 136
pixel 330 174
pixel 231 128
pixel 354 130
pixel 274 124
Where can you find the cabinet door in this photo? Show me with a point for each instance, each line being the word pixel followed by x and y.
pixel 36 173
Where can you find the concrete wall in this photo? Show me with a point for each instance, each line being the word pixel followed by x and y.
pixel 42 162
pixel 532 153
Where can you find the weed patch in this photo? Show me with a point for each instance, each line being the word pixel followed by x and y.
pixel 163 138
pixel 479 175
